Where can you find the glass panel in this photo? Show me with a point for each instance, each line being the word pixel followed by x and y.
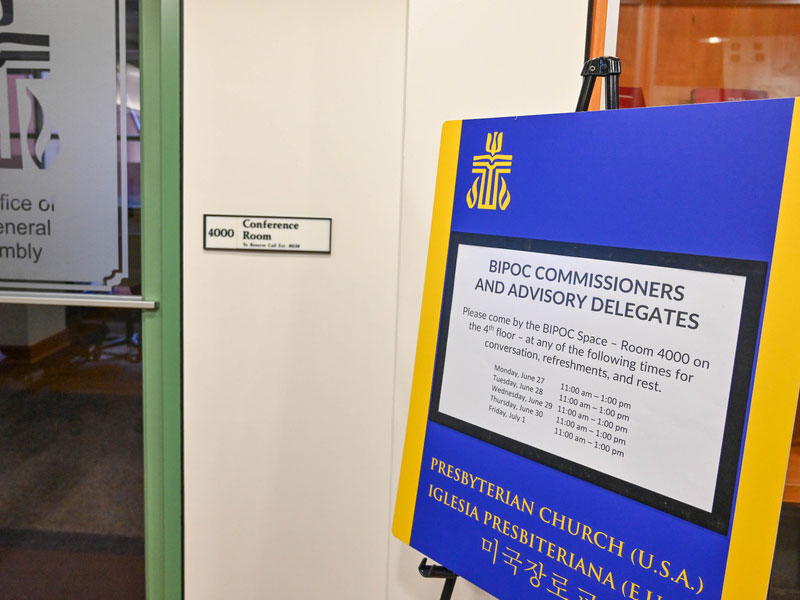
pixel 69 146
pixel 680 52
pixel 71 448
pixel 676 52
pixel 71 467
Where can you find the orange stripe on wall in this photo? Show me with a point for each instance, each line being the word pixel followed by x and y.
pixel 598 44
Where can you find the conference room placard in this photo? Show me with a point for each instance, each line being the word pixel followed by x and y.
pixel 607 364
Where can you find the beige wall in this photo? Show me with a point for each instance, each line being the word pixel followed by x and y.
pixel 291 108
pixel 297 368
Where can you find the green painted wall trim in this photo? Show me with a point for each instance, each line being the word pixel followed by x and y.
pixel 161 260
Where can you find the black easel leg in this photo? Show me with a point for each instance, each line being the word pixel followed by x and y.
pixel 586 93
pixel 612 91
pixel 447 590
pixel 439 572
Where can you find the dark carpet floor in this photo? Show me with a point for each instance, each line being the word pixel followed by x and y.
pixel 71 474
pixel 71 463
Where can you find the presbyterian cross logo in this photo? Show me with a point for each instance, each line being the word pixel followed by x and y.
pixel 489 190
pixel 23 56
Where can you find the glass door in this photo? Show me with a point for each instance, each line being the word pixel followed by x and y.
pixel 89 422
pixel 689 52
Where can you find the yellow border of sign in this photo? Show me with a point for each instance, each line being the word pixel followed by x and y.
pixel 773 404
pixel 428 332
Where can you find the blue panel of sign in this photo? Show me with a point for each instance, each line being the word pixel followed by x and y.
pixel 606 375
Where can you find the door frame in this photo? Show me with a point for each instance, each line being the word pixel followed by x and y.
pixel 160 43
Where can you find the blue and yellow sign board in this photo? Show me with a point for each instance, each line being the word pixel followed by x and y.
pixel 608 357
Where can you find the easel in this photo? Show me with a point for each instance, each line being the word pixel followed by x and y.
pixel 603 66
